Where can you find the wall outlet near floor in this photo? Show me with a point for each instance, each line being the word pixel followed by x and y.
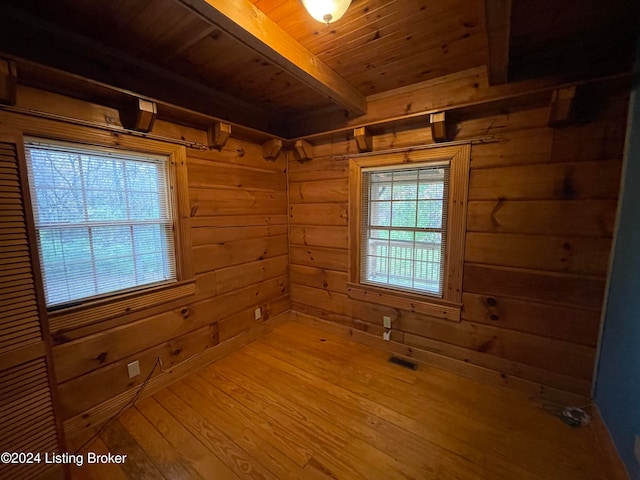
pixel 636 448
pixel 386 322
pixel 258 313
pixel 134 369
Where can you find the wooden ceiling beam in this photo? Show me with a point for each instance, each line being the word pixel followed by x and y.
pixel 251 27
pixel 498 23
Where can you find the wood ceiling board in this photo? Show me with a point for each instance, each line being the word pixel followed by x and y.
pixel 410 16
pixel 377 33
pixel 247 75
pixel 37 40
pixel 406 42
pixel 251 27
pixel 573 38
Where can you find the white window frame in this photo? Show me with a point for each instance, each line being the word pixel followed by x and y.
pixel 386 261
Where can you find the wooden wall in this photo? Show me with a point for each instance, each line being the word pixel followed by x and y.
pixel 541 213
pixel 240 258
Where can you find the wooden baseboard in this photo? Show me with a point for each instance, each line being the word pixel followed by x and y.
pixel 530 389
pixel 608 448
pixel 80 426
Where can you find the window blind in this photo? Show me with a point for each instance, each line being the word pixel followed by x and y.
pixel 102 218
pixel 404 219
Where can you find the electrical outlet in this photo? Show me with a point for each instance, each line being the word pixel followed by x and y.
pixel 258 313
pixel 636 448
pixel 134 369
pixel 386 336
pixel 386 322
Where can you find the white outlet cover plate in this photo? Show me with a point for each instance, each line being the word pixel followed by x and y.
pixel 386 322
pixel 258 313
pixel 134 369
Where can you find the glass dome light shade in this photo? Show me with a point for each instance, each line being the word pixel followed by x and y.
pixel 326 11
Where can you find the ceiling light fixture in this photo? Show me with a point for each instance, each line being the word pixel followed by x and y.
pixel 326 11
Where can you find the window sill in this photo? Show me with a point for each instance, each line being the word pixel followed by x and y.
pixel 405 301
pixel 118 305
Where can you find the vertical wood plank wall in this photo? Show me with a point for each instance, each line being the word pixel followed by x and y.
pixel 541 212
pixel 240 258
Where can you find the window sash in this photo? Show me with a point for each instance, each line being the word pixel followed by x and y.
pixel 103 220
pixel 401 251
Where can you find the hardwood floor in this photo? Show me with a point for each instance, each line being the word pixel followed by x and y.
pixel 301 403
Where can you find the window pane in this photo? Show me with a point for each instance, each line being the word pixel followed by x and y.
pixel 58 205
pixel 144 206
pixel 405 191
pixel 408 255
pixel 381 191
pixel 430 191
pixel 102 219
pixel 430 214
pixel 380 214
pixel 402 235
pixel 404 214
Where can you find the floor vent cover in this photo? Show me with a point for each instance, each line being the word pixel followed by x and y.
pixel 403 363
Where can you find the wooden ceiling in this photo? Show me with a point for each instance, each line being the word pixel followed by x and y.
pixel 267 64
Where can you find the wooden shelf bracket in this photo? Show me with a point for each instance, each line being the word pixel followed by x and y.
pixel 217 135
pixel 139 116
pixel 438 127
pixel 8 82
pixel 271 148
pixel 363 138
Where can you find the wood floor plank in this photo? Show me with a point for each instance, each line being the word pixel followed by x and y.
pixel 250 431
pixel 301 403
pixel 496 431
pixel 373 422
pixel 137 464
pixel 313 412
pixel 185 444
pixel 321 434
pixel 97 471
pixel 213 438
pixel 383 392
pixel 156 447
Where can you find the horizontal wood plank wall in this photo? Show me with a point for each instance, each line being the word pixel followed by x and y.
pixel 541 212
pixel 240 258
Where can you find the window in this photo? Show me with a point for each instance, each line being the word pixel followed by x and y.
pixel 407 224
pixel 403 227
pixel 103 219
